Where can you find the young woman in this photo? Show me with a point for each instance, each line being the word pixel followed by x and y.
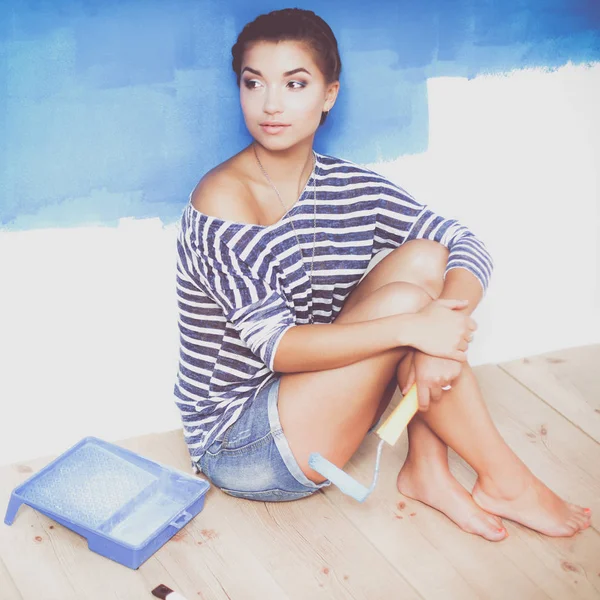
pixel 286 349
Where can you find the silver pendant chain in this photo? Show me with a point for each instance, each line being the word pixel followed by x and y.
pixel 312 261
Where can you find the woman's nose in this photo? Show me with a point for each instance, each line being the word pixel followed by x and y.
pixel 273 101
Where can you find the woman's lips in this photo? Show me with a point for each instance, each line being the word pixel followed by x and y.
pixel 273 129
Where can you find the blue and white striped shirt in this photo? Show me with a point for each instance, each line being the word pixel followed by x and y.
pixel 241 286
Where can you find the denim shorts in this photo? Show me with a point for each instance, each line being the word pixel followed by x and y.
pixel 254 460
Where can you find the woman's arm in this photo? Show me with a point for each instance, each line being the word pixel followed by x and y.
pixel 438 329
pixel 431 373
pixel 460 283
pixel 322 347
pixel 400 218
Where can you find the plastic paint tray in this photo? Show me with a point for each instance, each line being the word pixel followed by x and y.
pixel 126 506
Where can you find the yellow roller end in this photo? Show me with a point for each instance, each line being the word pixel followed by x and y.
pixel 391 429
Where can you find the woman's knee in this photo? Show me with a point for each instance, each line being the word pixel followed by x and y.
pixel 427 261
pixel 401 297
pixel 396 297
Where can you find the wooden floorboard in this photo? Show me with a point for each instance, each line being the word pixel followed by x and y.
pixel 8 588
pixel 568 380
pixel 329 546
pixel 527 565
pixel 308 548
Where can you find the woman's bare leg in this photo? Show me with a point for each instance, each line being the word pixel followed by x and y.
pixel 505 486
pixel 310 402
pixel 426 476
pixel 359 392
pixel 331 411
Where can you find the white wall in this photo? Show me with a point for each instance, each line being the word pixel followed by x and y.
pixel 88 335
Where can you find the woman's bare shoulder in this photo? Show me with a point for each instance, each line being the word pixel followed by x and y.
pixel 224 194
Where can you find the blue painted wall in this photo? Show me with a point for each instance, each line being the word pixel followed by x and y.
pixel 111 109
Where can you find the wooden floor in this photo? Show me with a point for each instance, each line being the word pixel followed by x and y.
pixel 328 546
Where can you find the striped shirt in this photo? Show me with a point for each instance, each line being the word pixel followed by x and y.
pixel 240 286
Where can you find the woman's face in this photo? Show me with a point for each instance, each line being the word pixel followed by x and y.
pixel 283 93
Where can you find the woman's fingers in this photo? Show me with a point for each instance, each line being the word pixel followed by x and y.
pixel 435 394
pixel 423 396
pixel 435 390
pixel 452 303
pixel 411 376
pixel 458 356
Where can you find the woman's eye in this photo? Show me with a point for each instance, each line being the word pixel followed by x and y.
pixel 251 83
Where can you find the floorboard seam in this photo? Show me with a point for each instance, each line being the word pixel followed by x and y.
pixel 554 409
pixel 10 577
pixel 379 552
pixel 545 402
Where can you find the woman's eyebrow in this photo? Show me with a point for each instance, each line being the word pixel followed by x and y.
pixel 286 74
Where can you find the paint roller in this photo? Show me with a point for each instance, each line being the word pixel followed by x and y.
pixel 389 431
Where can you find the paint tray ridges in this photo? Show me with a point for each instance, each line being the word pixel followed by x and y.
pixel 89 485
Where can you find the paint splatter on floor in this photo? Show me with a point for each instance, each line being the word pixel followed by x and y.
pixel 567 566
pixel 209 534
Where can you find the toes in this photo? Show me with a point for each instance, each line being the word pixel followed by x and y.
pixel 571 527
pixel 583 521
pixel 584 518
pixel 575 522
pixel 494 534
pixel 579 510
pixel 495 522
pixel 580 516
pixel 490 528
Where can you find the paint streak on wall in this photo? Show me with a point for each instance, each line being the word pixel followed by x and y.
pixel 115 109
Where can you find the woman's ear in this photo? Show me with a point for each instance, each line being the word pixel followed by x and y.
pixel 331 95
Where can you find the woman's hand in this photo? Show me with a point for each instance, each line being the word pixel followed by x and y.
pixel 441 330
pixel 431 374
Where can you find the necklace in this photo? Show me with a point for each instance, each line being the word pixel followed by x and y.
pixel 312 260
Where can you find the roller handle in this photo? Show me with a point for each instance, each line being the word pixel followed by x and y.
pixel 391 429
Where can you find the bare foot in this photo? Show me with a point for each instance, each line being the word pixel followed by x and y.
pixel 532 504
pixel 434 485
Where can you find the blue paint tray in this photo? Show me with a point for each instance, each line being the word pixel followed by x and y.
pixel 126 506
